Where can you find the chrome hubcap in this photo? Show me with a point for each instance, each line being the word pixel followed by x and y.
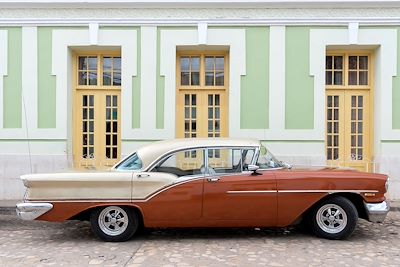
pixel 113 220
pixel 331 218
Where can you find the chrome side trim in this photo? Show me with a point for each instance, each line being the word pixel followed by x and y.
pixel 376 212
pixel 31 211
pixel 328 191
pixel 252 192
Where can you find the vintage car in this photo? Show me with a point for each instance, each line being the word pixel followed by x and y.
pixel 206 183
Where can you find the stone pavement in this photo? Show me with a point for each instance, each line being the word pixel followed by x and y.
pixel 33 243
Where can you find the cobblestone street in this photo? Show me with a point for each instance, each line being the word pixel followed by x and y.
pixel 73 244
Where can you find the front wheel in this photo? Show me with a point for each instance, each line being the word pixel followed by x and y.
pixel 334 218
pixel 114 223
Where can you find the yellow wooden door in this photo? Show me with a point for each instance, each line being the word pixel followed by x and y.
pixel 97 129
pixel 348 129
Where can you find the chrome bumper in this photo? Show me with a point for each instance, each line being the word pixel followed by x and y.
pixel 376 212
pixel 30 211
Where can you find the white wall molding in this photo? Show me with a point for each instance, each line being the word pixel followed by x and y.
pixel 94 33
pixel 63 40
pixel 353 32
pixel 385 69
pixel 234 38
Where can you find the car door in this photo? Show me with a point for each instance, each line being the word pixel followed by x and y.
pixel 173 189
pixel 235 196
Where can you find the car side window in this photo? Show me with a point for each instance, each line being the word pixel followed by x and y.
pixel 229 160
pixel 183 163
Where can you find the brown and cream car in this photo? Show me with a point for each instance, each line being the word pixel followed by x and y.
pixel 206 183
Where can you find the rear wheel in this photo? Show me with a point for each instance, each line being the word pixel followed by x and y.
pixel 114 223
pixel 334 218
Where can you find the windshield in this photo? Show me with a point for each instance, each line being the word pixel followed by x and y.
pixel 131 163
pixel 266 160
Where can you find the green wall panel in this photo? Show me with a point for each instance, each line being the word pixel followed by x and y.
pixel 396 89
pixel 136 82
pixel 299 100
pixel 12 83
pixel 255 84
pixel 160 88
pixel 46 81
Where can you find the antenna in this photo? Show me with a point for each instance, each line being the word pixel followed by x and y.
pixel 27 133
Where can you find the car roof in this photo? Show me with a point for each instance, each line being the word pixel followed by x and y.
pixel 149 153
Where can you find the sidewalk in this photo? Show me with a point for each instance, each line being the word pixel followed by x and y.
pixel 8 206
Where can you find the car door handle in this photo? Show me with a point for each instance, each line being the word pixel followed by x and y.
pixel 143 175
pixel 213 179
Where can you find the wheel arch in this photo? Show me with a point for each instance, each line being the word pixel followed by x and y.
pixel 355 198
pixel 85 214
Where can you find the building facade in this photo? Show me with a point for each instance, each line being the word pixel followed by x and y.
pixel 84 83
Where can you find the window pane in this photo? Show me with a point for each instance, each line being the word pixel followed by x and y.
pixel 352 78
pixel 210 78
pixel 107 64
pixel 230 161
pixel 106 78
pixel 209 64
pixel 328 62
pixel 117 78
pixel 328 77
pixel 82 78
pixel 82 63
pixel 92 78
pixel 195 78
pixel 195 66
pixel 92 63
pixel 184 78
pixel 184 64
pixel 338 62
pixel 338 78
pixel 353 62
pixel 363 77
pixel 183 163
pixel 117 63
pixel 219 63
pixel 219 79
pixel 363 64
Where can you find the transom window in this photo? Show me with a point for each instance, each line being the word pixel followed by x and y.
pixel 202 70
pixel 99 71
pixel 347 70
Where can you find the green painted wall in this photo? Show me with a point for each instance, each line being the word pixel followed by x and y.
pixel 160 87
pixel 46 81
pixel 396 89
pixel 12 83
pixel 254 112
pixel 136 86
pixel 299 100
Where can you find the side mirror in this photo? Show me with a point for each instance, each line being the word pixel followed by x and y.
pixel 252 168
pixel 286 165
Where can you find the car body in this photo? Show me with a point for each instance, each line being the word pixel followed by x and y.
pixel 206 183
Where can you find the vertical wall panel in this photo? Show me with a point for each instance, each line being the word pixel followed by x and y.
pixel 136 81
pixel 160 88
pixel 396 89
pixel 299 102
pixel 12 90
pixel 46 81
pixel 254 109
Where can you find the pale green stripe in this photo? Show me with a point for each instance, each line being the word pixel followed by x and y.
pixel 293 141
pixel 299 101
pixel 160 88
pixel 12 83
pixel 396 89
pixel 254 109
pixel 46 81
pixel 390 141
pixel 136 82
